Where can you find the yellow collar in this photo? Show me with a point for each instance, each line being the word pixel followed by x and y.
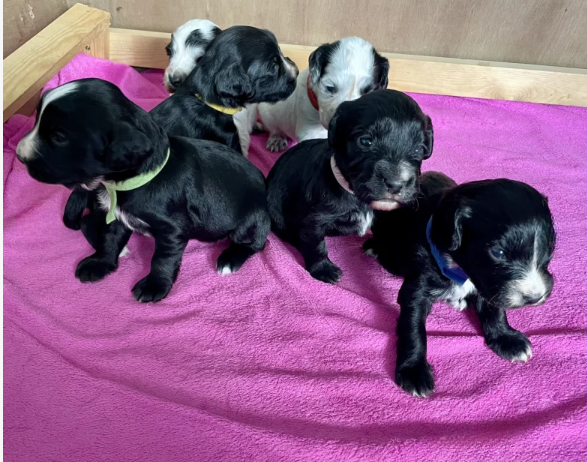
pixel 217 107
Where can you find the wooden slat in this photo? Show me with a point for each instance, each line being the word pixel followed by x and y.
pixel 80 29
pixel 418 74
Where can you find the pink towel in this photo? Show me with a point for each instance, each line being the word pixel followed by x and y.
pixel 269 364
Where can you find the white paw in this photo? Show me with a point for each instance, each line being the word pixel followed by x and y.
pixel 524 356
pixel 124 252
pixel 370 253
pixel 277 143
pixel 459 305
pixel 224 270
pixel 258 127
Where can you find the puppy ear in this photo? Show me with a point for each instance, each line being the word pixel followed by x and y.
pixel 128 148
pixel 319 60
pixel 380 71
pixel 233 84
pixel 332 127
pixel 448 222
pixel 428 138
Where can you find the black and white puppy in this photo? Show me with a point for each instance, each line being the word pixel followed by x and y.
pixel 87 132
pixel 338 72
pixel 188 44
pixel 371 160
pixel 243 65
pixel 485 245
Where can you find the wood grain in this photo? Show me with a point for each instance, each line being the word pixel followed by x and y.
pixel 32 65
pixel 419 74
pixel 547 32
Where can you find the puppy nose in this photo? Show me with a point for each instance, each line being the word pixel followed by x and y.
pixel 393 186
pixel 176 80
pixel 292 67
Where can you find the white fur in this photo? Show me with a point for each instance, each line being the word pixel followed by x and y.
pixel 184 57
pixel 27 147
pixel 244 121
pixel 224 270
pixel 350 69
pixel 531 284
pixel 456 294
pixel 524 356
pixel 131 222
pixel 364 220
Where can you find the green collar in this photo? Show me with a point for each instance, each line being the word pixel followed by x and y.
pixel 128 185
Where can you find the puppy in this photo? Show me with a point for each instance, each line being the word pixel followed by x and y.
pixel 485 244
pixel 243 65
pixel 172 188
pixel 371 160
pixel 188 44
pixel 339 71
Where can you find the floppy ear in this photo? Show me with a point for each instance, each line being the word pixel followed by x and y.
pixel 380 71
pixel 128 148
pixel 448 221
pixel 233 84
pixel 428 138
pixel 319 60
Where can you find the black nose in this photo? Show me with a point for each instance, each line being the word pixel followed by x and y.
pixel 176 80
pixel 532 299
pixel 394 187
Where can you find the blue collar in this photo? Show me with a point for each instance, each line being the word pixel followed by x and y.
pixel 454 272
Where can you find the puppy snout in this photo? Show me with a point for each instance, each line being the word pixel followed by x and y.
pixel 394 186
pixel 176 80
pixel 534 299
pixel 291 67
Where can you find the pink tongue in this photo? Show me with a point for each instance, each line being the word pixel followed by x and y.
pixel 385 205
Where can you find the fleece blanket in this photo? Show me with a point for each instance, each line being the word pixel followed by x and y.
pixel 269 364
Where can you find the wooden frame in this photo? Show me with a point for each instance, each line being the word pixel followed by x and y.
pixel 86 30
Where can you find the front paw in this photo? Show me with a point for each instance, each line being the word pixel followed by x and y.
pixel 72 221
pixel 369 248
pixel 513 346
pixel 417 380
pixel 326 271
pixel 277 143
pixel 92 269
pixel 151 289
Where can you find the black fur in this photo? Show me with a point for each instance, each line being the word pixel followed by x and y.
pixel 243 65
pixel 307 203
pixel 204 192
pixel 486 227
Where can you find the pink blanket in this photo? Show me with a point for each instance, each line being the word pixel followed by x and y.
pixel 269 364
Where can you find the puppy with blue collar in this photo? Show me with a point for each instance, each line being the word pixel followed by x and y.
pixel 88 134
pixel 484 245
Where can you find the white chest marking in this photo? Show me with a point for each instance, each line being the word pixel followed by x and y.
pixel 364 221
pixel 456 294
pixel 131 222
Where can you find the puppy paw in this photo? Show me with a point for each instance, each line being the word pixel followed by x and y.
pixel 258 127
pixel 417 380
pixel 326 271
pixel 513 346
pixel 369 248
pixel 92 269
pixel 72 222
pixel 233 258
pixel 151 289
pixel 277 143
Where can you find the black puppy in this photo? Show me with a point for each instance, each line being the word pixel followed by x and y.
pixel 485 244
pixel 172 188
pixel 371 160
pixel 242 66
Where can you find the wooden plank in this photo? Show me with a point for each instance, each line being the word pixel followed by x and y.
pixel 32 65
pixel 418 74
pixel 546 32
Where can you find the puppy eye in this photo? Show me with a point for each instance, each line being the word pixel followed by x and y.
pixel 331 89
pixel 419 150
pixel 498 254
pixel 58 138
pixel 168 50
pixel 365 141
